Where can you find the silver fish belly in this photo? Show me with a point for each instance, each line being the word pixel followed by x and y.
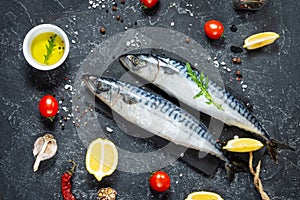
pixel 154 114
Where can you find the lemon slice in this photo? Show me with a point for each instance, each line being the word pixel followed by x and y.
pixel 101 158
pixel 242 145
pixel 203 195
pixel 259 40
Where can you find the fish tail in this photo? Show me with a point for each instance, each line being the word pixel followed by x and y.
pixel 273 146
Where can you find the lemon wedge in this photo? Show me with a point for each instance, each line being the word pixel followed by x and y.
pixel 101 158
pixel 259 40
pixel 203 195
pixel 242 145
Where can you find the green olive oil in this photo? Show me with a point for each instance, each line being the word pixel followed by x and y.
pixel 47 48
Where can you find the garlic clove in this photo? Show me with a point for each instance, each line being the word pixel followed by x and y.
pixel 44 148
pixel 37 146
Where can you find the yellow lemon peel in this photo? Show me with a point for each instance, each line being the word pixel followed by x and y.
pixel 203 195
pixel 260 40
pixel 242 145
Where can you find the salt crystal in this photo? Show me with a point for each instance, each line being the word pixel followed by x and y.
pixel 73 41
pixel 223 63
pixel 65 109
pixel 216 64
pixel 172 24
pixel 91 2
pixel 228 69
pixel 68 87
pixel 244 86
pixel 76 32
pixel 110 130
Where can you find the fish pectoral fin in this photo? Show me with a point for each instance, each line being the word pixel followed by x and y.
pixel 169 71
pixel 129 99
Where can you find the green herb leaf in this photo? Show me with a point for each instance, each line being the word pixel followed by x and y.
pixel 198 95
pixel 50 48
pixel 202 82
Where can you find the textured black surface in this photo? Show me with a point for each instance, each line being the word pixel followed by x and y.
pixel 271 73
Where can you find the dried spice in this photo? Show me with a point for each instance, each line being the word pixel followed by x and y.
pixel 66 185
pixel 107 194
pixel 102 30
pixel 233 28
pixel 236 60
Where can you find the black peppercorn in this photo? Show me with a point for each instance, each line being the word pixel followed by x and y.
pixel 233 28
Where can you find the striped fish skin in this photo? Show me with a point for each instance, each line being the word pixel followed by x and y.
pixel 154 114
pixel 172 77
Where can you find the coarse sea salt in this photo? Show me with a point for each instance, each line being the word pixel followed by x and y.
pixel 110 130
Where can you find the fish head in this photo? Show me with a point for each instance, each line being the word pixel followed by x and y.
pixel 102 87
pixel 145 66
pixel 96 84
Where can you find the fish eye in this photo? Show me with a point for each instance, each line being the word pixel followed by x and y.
pixel 135 60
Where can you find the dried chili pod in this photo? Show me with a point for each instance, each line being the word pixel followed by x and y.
pixel 66 186
pixel 249 4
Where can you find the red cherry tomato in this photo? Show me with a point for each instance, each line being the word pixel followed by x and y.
pixel 149 3
pixel 160 181
pixel 48 106
pixel 214 29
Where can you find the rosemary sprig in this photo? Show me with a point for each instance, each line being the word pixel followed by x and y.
pixel 51 44
pixel 202 83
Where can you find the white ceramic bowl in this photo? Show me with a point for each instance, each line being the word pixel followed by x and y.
pixel 35 32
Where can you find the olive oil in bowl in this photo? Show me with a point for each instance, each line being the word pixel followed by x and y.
pixel 47 48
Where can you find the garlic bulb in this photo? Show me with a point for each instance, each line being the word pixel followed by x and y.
pixel 44 148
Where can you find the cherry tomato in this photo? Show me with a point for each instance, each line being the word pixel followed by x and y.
pixel 214 29
pixel 149 3
pixel 160 181
pixel 48 106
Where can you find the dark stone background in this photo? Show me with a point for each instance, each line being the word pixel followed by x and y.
pixel 271 73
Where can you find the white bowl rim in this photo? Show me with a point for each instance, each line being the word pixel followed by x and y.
pixel 32 34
